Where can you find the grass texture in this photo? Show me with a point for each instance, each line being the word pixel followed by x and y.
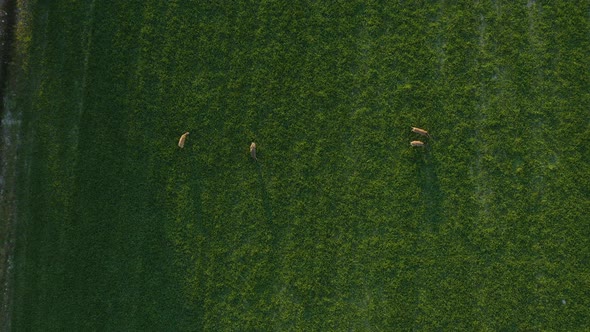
pixel 341 225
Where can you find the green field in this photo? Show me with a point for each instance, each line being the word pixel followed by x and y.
pixel 341 225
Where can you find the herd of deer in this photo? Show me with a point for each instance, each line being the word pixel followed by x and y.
pixel 183 137
pixel 253 145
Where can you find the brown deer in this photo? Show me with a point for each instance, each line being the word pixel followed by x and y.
pixel 417 143
pixel 182 140
pixel 421 132
pixel 253 151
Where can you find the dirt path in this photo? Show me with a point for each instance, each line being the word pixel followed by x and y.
pixel 9 129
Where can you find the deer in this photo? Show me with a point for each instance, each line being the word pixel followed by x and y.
pixel 253 151
pixel 417 143
pixel 421 132
pixel 182 140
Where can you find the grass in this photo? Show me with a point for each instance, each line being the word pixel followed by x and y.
pixel 341 225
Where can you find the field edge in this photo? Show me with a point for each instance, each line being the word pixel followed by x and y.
pixel 12 32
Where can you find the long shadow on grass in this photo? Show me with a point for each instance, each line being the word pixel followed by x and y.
pixel 202 231
pixel 430 186
pixel 264 194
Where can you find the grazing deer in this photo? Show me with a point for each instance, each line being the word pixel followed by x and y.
pixel 253 151
pixel 421 132
pixel 182 139
pixel 417 143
